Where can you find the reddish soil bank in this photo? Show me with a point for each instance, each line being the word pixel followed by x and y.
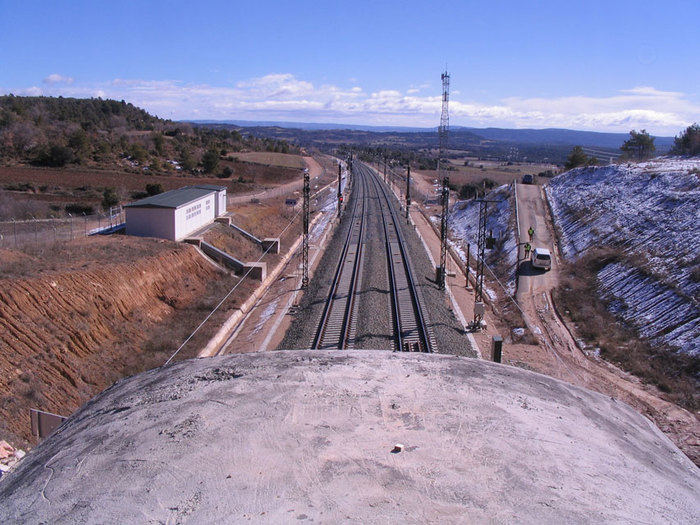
pixel 75 319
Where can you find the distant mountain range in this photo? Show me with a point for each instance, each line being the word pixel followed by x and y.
pixel 553 136
pixel 312 126
pixel 562 136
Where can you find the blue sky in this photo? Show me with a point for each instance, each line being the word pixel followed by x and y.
pixel 607 66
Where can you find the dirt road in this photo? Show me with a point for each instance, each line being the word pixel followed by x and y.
pixel 558 354
pixel 315 171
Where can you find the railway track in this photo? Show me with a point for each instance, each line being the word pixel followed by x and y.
pixel 336 320
pixel 410 329
pixel 336 324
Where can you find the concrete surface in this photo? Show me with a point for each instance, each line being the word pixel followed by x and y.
pixel 288 436
pixel 270 244
pixel 255 270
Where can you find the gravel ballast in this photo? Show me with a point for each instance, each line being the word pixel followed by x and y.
pixel 373 322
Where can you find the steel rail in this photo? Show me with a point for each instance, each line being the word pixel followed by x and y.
pixel 398 293
pixel 344 298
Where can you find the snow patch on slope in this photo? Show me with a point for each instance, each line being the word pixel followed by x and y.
pixel 464 228
pixel 650 211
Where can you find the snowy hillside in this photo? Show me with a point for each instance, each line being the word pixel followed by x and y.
pixel 651 213
pixel 464 229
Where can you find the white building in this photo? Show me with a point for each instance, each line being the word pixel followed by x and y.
pixel 177 213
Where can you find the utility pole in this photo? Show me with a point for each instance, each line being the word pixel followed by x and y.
pixel 467 272
pixel 408 189
pixel 482 242
pixel 385 168
pixel 442 141
pixel 340 194
pixel 480 253
pixel 442 271
pixel 305 243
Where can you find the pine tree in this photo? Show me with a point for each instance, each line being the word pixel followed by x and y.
pixel 578 158
pixel 640 145
pixel 688 142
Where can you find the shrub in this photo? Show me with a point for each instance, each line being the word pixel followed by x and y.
pixel 21 186
pixel 225 173
pixel 54 156
pixel 210 160
pixel 138 153
pixel 79 209
pixel 109 198
pixel 154 189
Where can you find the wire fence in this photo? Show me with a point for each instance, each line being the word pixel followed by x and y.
pixel 18 234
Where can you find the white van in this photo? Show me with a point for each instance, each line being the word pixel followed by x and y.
pixel 541 258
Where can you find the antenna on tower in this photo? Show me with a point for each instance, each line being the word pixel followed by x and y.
pixel 442 150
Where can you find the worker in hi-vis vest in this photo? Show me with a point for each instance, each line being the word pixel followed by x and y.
pixel 531 231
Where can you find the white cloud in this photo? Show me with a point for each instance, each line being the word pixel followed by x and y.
pixel 282 96
pixel 33 91
pixel 55 78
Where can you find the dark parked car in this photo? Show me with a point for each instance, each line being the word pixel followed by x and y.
pixel 528 179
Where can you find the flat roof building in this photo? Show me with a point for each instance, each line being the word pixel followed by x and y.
pixel 177 213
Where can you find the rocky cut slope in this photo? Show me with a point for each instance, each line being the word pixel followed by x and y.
pixel 68 333
pixel 650 214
